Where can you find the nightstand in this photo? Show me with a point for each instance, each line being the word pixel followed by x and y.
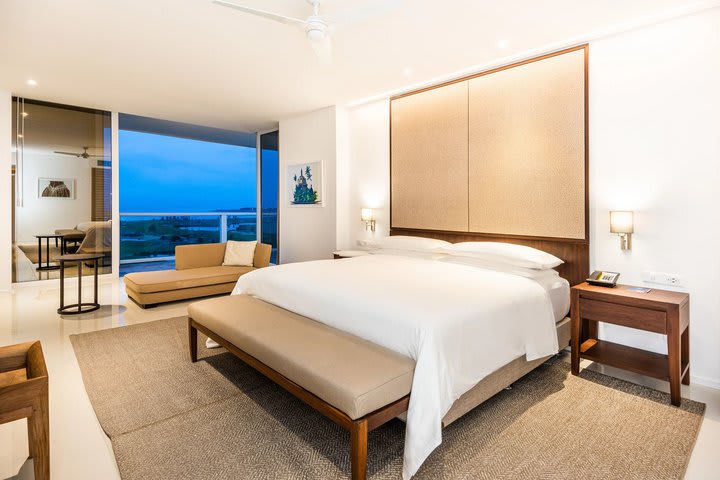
pixel 349 253
pixel 658 311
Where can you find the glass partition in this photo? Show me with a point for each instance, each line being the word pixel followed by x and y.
pixel 62 187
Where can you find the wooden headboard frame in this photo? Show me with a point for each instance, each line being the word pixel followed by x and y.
pixel 574 252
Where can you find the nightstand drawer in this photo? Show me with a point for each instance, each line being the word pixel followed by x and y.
pixel 642 318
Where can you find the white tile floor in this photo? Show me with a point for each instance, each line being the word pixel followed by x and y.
pixel 80 450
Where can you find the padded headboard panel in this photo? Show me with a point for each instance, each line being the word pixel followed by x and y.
pixel 527 149
pixel 501 156
pixel 429 183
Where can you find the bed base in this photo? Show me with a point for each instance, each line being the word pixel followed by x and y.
pixel 358 428
pixel 502 378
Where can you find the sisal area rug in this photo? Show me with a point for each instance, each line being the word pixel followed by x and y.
pixel 218 419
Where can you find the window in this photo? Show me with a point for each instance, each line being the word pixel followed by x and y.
pixel 182 184
pixel 269 191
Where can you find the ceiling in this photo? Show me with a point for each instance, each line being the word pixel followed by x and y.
pixel 197 62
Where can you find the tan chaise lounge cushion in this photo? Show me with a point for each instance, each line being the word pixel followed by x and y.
pixel 164 280
pixel 354 375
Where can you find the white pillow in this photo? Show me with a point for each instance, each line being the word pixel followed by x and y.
pixel 518 255
pixel 239 254
pixel 403 242
pixel 427 255
pixel 499 266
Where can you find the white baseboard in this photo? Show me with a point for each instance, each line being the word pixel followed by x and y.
pixel 705 382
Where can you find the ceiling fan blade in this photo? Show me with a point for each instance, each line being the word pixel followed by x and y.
pixel 363 12
pixel 69 153
pixel 323 50
pixel 262 13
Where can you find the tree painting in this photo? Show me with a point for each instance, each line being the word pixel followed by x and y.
pixel 305 190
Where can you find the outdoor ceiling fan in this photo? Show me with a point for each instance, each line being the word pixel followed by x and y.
pixel 84 154
pixel 318 28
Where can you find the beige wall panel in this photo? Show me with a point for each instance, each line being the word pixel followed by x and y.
pixel 527 149
pixel 429 177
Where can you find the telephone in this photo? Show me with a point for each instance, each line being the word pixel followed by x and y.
pixel 603 279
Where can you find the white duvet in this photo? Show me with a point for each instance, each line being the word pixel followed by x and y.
pixel 459 323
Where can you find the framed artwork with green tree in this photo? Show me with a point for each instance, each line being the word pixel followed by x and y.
pixel 305 184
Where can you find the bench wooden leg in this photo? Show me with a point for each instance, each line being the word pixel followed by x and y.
pixel 358 449
pixel 192 340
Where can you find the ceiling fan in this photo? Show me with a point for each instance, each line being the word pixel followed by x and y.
pixel 318 28
pixel 84 154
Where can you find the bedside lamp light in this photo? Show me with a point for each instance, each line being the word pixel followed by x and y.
pixel 366 215
pixel 622 224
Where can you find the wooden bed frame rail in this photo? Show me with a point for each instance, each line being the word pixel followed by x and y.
pixel 358 428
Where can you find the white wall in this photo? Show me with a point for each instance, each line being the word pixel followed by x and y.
pixel 44 215
pixel 5 193
pixel 654 149
pixel 309 232
pixel 367 179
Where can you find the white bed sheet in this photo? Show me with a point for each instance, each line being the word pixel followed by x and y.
pixel 558 289
pixel 458 323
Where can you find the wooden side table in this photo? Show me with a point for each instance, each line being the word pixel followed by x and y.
pixel 47 238
pixel 349 253
pixel 24 394
pixel 658 311
pixel 80 306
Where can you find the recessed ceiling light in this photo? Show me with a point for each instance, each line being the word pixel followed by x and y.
pixel 31 82
pixel 25 114
pixel 20 135
pixel 502 43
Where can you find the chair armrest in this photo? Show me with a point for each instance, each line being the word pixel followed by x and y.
pixel 27 355
pixel 262 255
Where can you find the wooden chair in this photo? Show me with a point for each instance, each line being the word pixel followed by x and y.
pixel 24 394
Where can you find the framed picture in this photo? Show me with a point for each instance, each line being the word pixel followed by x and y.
pixel 56 188
pixel 304 184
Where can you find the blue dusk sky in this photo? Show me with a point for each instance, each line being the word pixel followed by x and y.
pixel 168 174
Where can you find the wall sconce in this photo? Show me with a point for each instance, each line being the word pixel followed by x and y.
pixel 622 224
pixel 366 215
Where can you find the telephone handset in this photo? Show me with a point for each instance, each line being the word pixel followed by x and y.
pixel 603 279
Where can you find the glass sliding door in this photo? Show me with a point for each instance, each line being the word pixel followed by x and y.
pixel 269 169
pixel 62 190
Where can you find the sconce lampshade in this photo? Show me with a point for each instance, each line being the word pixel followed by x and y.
pixel 366 214
pixel 621 222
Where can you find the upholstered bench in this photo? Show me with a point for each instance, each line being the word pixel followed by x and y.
pixel 355 383
pixel 199 272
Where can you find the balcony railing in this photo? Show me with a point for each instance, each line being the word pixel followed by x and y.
pixel 147 236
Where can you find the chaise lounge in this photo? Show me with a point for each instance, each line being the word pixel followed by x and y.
pixel 199 272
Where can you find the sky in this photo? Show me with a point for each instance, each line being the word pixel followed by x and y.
pixel 169 174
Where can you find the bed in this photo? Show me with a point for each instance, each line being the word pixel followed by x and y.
pixel 499 156
pixel 471 331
